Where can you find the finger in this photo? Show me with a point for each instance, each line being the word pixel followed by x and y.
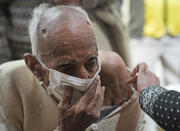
pixel 133 82
pixel 66 100
pixel 135 70
pixel 143 67
pixel 95 83
pixel 86 98
pixel 91 91
pixel 94 108
pixel 97 102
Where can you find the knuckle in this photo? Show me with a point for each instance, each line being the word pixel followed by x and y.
pixel 94 115
pixel 62 109
pixel 79 110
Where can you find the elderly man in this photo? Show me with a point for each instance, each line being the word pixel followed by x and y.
pixel 64 69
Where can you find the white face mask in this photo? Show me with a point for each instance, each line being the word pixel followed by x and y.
pixel 58 82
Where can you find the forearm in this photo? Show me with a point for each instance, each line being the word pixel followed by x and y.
pixel 162 105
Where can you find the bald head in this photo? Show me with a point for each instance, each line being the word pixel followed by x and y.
pixel 68 30
pixel 53 27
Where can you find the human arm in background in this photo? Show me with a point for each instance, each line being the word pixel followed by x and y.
pixel 161 104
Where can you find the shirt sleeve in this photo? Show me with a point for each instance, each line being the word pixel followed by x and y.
pixel 4 123
pixel 163 106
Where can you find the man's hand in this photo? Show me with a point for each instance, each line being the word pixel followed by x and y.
pixel 84 112
pixel 142 77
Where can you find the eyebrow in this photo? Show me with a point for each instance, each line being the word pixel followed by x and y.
pixel 71 62
pixel 93 56
pixel 63 63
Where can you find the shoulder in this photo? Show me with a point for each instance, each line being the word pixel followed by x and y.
pixel 14 78
pixel 15 75
pixel 111 59
pixel 12 67
pixel 113 66
pixel 14 70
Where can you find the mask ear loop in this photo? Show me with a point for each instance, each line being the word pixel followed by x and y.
pixel 41 82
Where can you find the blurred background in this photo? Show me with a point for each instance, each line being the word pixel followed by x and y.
pixel 139 30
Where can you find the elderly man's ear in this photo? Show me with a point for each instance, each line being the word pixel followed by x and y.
pixel 34 65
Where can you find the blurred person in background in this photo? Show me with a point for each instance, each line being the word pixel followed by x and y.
pixel 155 36
pixel 109 29
pixel 5 53
pixel 14 17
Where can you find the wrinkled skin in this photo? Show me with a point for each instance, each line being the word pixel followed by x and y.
pixel 67 44
pixel 142 77
pixel 87 107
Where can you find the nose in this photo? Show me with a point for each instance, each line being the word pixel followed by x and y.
pixel 82 73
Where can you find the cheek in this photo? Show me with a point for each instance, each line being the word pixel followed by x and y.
pixel 93 69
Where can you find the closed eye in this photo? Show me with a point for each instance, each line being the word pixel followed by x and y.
pixel 65 68
pixel 91 63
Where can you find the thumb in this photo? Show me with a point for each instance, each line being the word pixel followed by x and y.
pixel 142 67
pixel 133 81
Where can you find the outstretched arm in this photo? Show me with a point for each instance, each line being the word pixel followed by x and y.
pixel 161 104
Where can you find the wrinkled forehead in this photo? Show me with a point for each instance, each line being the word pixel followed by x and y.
pixel 64 31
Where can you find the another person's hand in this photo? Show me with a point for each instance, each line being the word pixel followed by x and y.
pixel 142 77
pixel 84 112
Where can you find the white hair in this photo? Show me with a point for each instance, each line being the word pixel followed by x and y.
pixel 38 12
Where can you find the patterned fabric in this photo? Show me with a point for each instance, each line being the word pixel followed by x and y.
pixel 163 106
pixel 148 97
